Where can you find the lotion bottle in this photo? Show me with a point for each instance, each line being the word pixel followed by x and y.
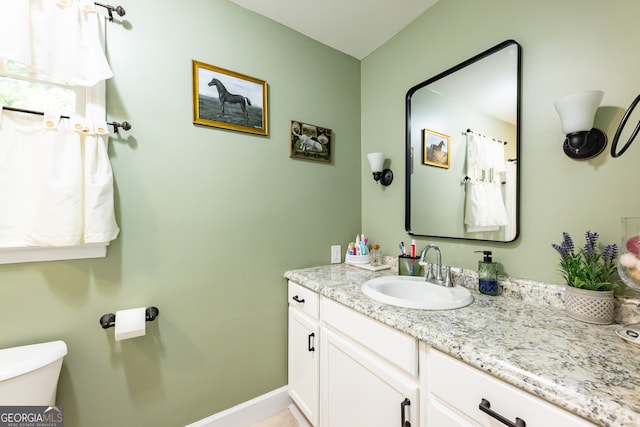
pixel 487 275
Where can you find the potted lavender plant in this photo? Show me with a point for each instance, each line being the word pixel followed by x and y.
pixel 588 275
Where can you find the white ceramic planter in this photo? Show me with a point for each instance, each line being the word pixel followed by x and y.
pixel 589 306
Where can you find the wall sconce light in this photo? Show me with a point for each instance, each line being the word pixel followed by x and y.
pixel 376 161
pixel 577 113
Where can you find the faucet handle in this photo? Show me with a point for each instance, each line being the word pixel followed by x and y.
pixel 429 271
pixel 448 280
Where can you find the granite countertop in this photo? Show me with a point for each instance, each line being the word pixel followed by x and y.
pixel 527 342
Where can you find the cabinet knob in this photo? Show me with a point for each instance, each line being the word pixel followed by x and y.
pixel 485 406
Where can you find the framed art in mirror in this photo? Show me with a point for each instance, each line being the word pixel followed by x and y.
pixel 435 149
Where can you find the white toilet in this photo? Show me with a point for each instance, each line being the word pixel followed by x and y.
pixel 29 374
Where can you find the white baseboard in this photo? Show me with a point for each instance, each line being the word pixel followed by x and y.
pixel 250 412
pixel 299 416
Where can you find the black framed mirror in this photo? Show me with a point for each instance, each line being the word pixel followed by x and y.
pixel 463 149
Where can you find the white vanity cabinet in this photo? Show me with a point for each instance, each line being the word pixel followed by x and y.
pixel 303 350
pixel 454 391
pixel 368 371
pixel 349 370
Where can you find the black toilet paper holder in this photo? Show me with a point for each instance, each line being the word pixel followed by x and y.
pixel 108 320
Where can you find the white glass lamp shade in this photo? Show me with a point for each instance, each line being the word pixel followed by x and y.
pixel 376 160
pixel 578 111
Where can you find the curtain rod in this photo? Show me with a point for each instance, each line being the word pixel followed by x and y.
pixel 116 125
pixel 497 140
pixel 110 9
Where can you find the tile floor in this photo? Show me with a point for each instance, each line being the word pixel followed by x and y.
pixel 281 419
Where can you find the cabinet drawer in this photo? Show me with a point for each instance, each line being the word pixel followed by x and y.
pixel 456 385
pixel 303 299
pixel 389 343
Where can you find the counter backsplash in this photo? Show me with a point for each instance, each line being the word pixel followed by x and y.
pixel 627 309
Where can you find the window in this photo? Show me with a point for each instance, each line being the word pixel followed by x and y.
pixel 18 90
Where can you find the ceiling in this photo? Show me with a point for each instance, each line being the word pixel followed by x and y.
pixel 355 27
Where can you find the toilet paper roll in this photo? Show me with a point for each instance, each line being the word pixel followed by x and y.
pixel 130 323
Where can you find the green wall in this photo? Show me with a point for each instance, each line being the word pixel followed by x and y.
pixel 210 220
pixel 567 46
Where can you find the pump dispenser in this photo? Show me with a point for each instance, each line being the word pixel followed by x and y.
pixel 487 275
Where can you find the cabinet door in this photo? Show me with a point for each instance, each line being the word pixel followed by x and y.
pixel 361 389
pixel 304 363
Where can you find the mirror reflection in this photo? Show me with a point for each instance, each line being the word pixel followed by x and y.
pixel 462 141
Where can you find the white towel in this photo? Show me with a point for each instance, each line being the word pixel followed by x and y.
pixel 511 199
pixel 484 206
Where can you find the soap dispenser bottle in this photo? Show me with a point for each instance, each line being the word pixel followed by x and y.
pixel 487 275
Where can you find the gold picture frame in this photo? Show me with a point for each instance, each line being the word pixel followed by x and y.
pixel 435 149
pixel 229 100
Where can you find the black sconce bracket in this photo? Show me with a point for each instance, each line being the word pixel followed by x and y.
pixel 585 144
pixel 385 177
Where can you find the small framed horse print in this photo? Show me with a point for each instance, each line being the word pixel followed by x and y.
pixel 435 149
pixel 229 100
pixel 310 142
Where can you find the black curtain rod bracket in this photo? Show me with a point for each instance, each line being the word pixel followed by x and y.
pixel 123 125
pixel 110 9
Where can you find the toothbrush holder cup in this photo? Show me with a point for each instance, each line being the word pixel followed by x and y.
pixel 409 266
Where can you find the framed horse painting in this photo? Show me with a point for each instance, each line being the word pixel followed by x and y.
pixel 229 100
pixel 435 149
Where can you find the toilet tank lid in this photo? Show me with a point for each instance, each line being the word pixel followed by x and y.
pixel 16 361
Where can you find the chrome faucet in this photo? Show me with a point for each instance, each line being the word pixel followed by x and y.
pixel 429 275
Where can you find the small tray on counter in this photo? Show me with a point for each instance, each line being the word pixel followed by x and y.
pixel 368 266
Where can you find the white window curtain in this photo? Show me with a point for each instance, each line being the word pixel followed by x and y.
pixel 58 41
pixel 56 182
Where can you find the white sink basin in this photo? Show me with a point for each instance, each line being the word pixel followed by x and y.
pixel 415 292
